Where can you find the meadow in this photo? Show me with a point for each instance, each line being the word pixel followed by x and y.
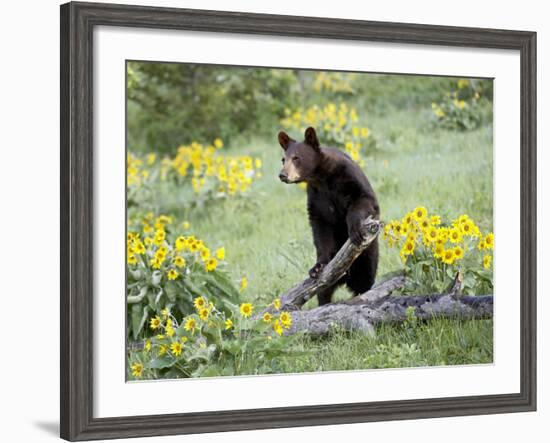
pixel 267 239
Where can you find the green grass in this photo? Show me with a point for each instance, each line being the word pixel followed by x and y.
pixel 268 239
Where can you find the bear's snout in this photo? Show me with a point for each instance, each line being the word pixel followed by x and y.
pixel 283 176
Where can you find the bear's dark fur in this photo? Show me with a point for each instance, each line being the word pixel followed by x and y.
pixel 339 198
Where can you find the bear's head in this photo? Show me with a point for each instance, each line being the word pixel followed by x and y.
pixel 301 158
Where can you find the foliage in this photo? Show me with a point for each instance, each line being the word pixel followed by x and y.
pixel 212 342
pixel 201 174
pixel 169 102
pixel 167 268
pixel 434 252
pixel 334 83
pixel 336 125
pixel 460 109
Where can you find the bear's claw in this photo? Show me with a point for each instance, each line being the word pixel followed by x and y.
pixel 356 236
pixel 315 272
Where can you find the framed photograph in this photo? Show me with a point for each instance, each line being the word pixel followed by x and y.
pixel 272 221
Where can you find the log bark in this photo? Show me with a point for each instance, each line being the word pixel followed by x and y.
pixel 365 316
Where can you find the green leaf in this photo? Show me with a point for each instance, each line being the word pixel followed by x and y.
pixel 161 362
pixel 222 281
pixel 139 317
pixel 170 289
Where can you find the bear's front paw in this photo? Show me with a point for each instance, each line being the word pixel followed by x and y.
pixel 356 235
pixel 315 272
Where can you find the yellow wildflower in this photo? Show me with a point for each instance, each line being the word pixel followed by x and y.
pixel 244 283
pixel 277 303
pixel 199 303
pixel 205 254
pixel 179 261
pixel 155 263
pixel 246 309
pixel 170 331
pixel 490 241
pixel 431 234
pixel 468 228
pixel 228 324
pixel 172 274
pixel 487 261
pixel 277 327
pixel 137 369
pixel 155 322
pixel 190 324
pixel 220 253
pixel 420 213
pixel 408 247
pixel 435 220
pixel 286 319
pixel 448 256
pixel 267 317
pixel 211 264
pixel 459 252
pixel 203 313
pixel 181 243
pixel 455 235
pixel 439 250
pixel 176 348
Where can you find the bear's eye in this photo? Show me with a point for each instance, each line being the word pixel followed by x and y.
pixel 283 161
pixel 295 159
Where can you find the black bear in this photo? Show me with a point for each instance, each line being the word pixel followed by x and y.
pixel 339 198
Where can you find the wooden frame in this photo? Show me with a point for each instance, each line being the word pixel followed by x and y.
pixel 77 23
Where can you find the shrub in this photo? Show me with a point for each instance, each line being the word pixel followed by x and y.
pixel 461 108
pixel 335 124
pixel 333 83
pixel 201 174
pixel 171 101
pixel 167 268
pixel 212 342
pixel 434 252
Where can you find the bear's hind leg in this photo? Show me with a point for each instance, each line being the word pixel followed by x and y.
pixel 362 273
pixel 325 296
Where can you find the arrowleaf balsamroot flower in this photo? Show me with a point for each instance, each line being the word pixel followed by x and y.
pixel 176 348
pixel 190 324
pixel 172 274
pixel 155 322
pixel 286 319
pixel 220 253
pixel 137 369
pixel 246 309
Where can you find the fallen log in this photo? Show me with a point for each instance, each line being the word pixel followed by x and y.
pixel 364 317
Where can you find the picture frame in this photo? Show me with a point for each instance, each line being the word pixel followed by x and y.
pixel 78 21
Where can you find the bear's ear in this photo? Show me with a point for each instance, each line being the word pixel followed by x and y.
pixel 311 138
pixel 285 140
